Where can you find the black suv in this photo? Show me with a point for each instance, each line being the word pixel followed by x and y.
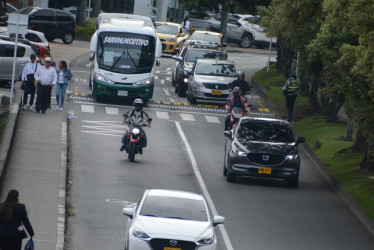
pixel 262 148
pixel 53 23
pixel 187 58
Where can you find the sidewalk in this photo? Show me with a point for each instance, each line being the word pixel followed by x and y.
pixel 37 166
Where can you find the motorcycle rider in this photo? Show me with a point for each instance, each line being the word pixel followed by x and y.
pixel 237 100
pixel 136 116
pixel 241 83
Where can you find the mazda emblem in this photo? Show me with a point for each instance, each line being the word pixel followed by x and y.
pixel 124 78
pixel 265 157
pixel 173 243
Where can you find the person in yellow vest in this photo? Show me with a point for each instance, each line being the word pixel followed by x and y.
pixel 290 90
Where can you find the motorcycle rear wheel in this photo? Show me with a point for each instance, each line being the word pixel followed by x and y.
pixel 132 151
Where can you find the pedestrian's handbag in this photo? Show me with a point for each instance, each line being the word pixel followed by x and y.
pixel 29 245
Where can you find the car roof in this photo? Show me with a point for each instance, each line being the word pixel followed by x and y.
pixel 174 194
pixel 13 43
pixel 264 119
pixel 203 48
pixel 215 61
pixel 169 23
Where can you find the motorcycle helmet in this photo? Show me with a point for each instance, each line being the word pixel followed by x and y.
pixel 236 91
pixel 292 75
pixel 138 104
pixel 240 73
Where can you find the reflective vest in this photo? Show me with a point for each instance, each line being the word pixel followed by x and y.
pixel 292 86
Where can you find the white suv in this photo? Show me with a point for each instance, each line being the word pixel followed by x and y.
pixel 6 60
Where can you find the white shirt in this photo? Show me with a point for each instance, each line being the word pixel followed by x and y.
pixel 29 69
pixel 46 75
pixel 61 77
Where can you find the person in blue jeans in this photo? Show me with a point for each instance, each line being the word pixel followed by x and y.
pixel 63 77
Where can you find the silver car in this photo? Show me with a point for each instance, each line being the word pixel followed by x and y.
pixel 6 60
pixel 210 79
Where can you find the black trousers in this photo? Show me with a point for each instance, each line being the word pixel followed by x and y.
pixel 10 243
pixel 290 104
pixel 29 89
pixel 43 98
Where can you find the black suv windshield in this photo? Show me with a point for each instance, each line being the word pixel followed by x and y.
pixel 215 69
pixel 193 55
pixel 265 131
pixel 176 208
pixel 126 52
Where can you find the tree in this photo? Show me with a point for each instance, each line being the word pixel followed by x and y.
pixel 96 7
pixel 81 13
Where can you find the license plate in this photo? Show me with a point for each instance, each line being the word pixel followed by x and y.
pixel 216 92
pixel 172 248
pixel 264 170
pixel 122 93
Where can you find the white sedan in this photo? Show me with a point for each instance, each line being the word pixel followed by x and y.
pixel 171 220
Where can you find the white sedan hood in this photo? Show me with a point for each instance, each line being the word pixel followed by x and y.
pixel 214 79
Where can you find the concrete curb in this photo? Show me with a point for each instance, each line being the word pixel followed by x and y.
pixel 9 135
pixel 321 166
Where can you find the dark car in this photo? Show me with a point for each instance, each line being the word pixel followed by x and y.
pixel 262 148
pixel 53 23
pixel 186 59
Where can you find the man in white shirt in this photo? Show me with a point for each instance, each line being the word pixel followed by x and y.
pixel 28 81
pixel 46 78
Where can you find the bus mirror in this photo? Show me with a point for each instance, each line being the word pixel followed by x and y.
pixel 92 56
pixel 158 62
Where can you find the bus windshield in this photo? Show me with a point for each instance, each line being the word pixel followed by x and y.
pixel 126 53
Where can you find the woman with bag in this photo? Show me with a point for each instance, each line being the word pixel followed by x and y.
pixel 63 77
pixel 13 221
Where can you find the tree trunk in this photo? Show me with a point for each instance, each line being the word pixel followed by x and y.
pixel 368 161
pixel 332 112
pixel 360 142
pixel 81 13
pixel 96 7
pixel 349 134
pixel 224 17
pixel 313 100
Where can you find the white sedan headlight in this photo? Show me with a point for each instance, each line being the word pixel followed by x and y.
pixel 207 240
pixel 103 78
pixel 139 233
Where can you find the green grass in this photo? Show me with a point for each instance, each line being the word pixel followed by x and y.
pixel 3 119
pixel 343 164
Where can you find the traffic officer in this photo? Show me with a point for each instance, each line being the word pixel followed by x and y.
pixel 241 83
pixel 46 78
pixel 290 90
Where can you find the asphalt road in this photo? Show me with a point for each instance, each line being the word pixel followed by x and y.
pixel 259 215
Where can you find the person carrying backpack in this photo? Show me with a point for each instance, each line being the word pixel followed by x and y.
pixel 136 116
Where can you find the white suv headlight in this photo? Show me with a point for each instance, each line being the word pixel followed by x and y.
pixel 207 240
pixel 145 81
pixel 139 233
pixel 103 78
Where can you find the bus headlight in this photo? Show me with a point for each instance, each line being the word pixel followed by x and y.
pixel 103 78
pixel 145 81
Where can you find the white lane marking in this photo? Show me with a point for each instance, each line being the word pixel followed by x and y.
pixel 212 119
pixel 172 100
pixel 204 189
pixel 162 115
pixel 156 77
pixel 111 111
pixel 168 69
pixel 158 72
pixel 88 65
pixel 87 108
pixel 187 117
pixel 168 78
pixel 169 72
pixel 166 92
pixel 162 81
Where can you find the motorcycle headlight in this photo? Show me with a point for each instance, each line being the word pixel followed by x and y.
pixel 103 78
pixel 136 131
pixel 145 81
pixel 185 80
pixel 291 157
pixel 139 234
pixel 207 240
pixel 171 39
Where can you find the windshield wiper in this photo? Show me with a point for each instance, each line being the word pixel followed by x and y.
pixel 175 217
pixel 132 60
pixel 114 64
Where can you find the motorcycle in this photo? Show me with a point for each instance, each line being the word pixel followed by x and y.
pixel 134 138
pixel 235 115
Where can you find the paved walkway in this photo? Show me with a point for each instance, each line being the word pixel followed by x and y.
pixel 37 167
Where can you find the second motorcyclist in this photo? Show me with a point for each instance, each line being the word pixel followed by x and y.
pixel 136 116
pixel 237 100
pixel 241 83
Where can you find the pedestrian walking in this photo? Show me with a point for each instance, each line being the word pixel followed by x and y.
pixel 28 79
pixel 290 90
pixel 187 25
pixel 46 78
pixel 63 77
pixel 53 65
pixel 13 222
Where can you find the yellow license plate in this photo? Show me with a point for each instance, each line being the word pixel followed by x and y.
pixel 216 92
pixel 263 170
pixel 172 248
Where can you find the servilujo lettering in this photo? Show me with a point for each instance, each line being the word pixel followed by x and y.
pixel 129 41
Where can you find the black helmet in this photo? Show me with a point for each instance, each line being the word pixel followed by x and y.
pixel 240 73
pixel 138 104
pixel 236 91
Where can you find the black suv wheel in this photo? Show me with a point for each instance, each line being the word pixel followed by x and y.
pixel 68 38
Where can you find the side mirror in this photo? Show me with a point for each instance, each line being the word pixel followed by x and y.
pixel 129 211
pixel 218 220
pixel 188 72
pixel 158 62
pixel 228 134
pixel 177 58
pixel 92 57
pixel 300 140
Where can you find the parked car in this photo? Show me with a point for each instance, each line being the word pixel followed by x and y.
pixel 261 38
pixel 32 36
pixel 6 60
pixel 171 220
pixel 53 23
pixel 209 79
pixel 186 59
pixel 168 33
pixel 262 148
